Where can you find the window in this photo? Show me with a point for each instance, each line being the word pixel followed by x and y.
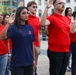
pixel 40 13
pixel 74 0
pixel 14 3
pixel 74 8
pixel 6 2
pixel 39 2
pixel 45 2
pixel 67 1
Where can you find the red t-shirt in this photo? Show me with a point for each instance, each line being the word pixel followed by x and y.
pixel 59 33
pixel 10 42
pixel 73 37
pixel 35 23
pixel 3 43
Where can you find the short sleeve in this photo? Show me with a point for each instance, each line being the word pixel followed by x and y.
pixel 10 32
pixel 33 36
pixel 49 18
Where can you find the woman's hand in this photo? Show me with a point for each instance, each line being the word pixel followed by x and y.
pixel 75 23
pixel 11 19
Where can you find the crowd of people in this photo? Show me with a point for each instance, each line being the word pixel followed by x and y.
pixel 20 41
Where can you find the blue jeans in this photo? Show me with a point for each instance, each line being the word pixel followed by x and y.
pixel 7 72
pixel 3 63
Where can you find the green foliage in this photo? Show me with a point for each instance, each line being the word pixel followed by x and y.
pixel 1 8
pixel 4 9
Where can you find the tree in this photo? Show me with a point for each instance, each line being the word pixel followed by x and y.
pixel 4 9
pixel 1 8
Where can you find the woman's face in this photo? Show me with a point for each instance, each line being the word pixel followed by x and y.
pixel 1 17
pixel 6 19
pixel 69 11
pixel 24 15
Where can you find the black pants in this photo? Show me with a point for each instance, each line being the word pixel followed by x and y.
pixel 58 62
pixel 73 50
pixel 27 70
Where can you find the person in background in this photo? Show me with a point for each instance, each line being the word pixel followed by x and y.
pixel 3 49
pixel 22 37
pixel 4 22
pixel 68 14
pixel 73 47
pixel 34 21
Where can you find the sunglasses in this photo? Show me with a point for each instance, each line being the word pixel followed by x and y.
pixel 60 3
pixel 34 7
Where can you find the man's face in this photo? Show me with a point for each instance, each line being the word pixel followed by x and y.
pixel 33 8
pixel 59 5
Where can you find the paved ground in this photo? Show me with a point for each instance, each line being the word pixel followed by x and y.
pixel 43 62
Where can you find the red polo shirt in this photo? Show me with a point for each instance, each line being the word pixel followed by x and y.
pixel 59 33
pixel 3 43
pixel 35 23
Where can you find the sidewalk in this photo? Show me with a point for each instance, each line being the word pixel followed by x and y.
pixel 43 62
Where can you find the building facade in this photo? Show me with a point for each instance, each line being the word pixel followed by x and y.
pixel 42 4
pixel 10 4
pixel 72 4
pixel 13 4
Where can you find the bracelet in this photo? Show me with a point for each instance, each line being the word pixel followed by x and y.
pixel 9 54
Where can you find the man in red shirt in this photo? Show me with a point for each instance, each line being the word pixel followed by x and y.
pixel 58 39
pixel 33 20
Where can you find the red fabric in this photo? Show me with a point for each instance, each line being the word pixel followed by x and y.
pixel 10 44
pixel 3 43
pixel 69 19
pixel 59 33
pixel 73 37
pixel 35 23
